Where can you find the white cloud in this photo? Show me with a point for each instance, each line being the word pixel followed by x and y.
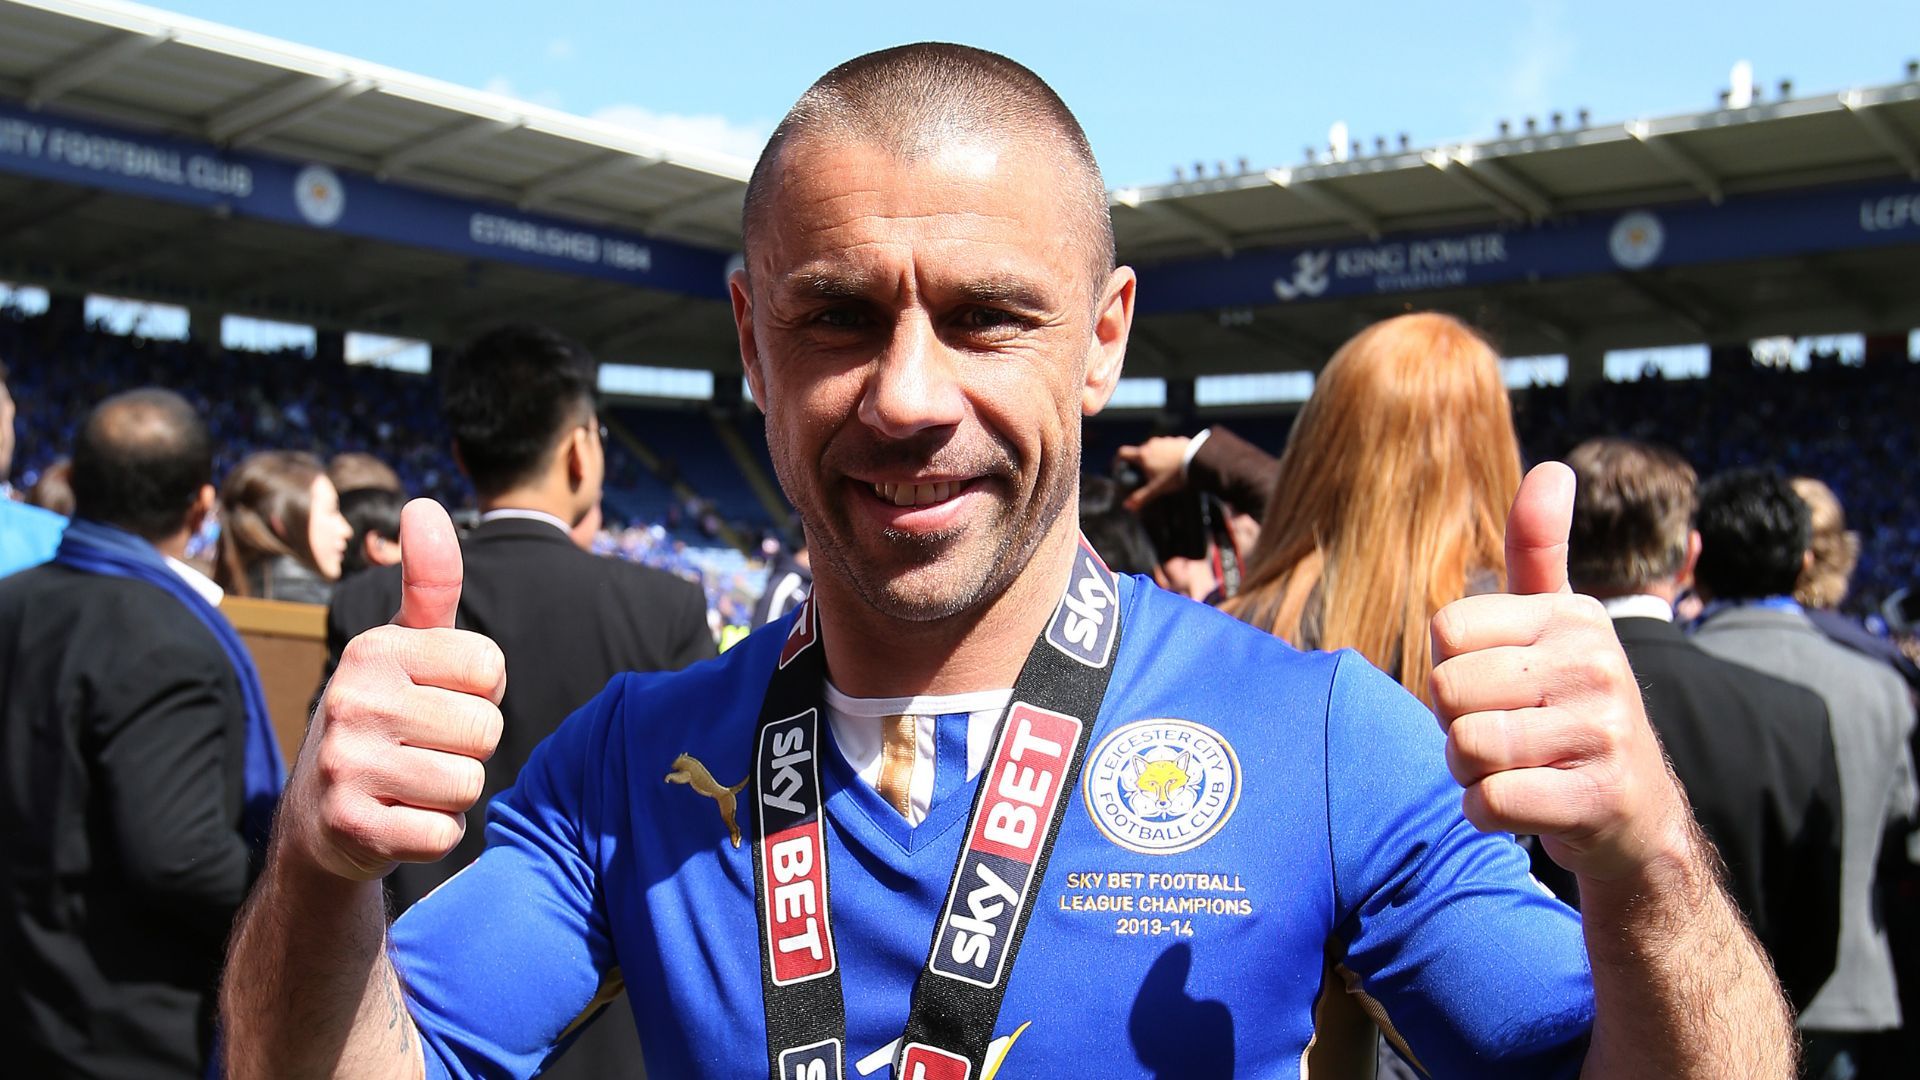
pixel 1539 56
pixel 560 49
pixel 709 131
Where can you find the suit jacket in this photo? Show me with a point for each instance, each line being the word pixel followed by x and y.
pixel 122 737
pixel 1756 757
pixel 1236 470
pixel 567 622
pixel 1871 718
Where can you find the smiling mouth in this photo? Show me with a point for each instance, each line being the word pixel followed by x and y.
pixel 918 494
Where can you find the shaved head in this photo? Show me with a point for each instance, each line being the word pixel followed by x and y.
pixel 919 101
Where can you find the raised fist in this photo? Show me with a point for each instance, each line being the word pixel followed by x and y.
pixel 393 759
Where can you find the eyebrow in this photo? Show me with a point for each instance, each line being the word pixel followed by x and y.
pixel 818 283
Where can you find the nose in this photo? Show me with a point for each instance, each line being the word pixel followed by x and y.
pixel 914 384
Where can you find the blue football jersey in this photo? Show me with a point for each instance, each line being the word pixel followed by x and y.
pixel 1254 827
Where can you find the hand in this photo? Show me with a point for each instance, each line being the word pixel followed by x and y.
pixel 394 758
pixel 1545 726
pixel 1159 459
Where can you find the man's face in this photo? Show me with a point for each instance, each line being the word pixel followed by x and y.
pixel 925 338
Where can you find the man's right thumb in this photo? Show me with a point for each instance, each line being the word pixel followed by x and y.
pixel 430 567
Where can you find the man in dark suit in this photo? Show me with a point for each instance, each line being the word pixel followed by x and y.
pixel 123 730
pixel 1754 753
pixel 520 405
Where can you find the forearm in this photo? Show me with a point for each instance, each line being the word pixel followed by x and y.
pixel 309 991
pixel 1681 987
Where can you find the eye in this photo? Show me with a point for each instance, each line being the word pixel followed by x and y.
pixel 841 317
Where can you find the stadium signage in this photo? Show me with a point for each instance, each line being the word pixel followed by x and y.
pixel 318 196
pixel 1641 238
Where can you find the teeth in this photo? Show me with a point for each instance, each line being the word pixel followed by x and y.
pixel 916 494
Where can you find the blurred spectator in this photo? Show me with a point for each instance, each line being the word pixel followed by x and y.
pixel 1116 534
pixel 1216 461
pixel 1755 754
pixel 141 766
pixel 374 515
pixel 281 533
pixel 789 579
pixel 1390 502
pixel 53 491
pixel 521 404
pixel 28 534
pixel 1755 535
pixel 1394 486
pixel 359 471
pixel 1823 584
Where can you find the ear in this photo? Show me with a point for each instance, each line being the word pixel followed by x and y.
pixel 459 460
pixel 742 295
pixel 203 503
pixel 1112 322
pixel 577 457
pixel 1685 579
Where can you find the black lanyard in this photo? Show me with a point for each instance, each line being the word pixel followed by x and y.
pixel 1017 809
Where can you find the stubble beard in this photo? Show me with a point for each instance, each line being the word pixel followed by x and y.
pixel 928 577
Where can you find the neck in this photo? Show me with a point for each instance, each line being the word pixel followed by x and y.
pixel 558 503
pixel 173 547
pixel 875 655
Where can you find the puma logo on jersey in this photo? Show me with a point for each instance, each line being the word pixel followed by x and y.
pixel 688 770
pixel 1159 788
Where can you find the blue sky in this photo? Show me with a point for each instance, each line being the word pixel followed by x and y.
pixel 1214 83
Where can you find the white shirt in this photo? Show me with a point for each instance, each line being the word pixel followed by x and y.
pixel 858 729
pixel 526 515
pixel 200 582
pixel 1640 606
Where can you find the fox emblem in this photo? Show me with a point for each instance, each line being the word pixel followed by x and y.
pixel 688 770
pixel 1161 788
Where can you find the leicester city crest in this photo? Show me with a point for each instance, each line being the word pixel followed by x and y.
pixel 1160 787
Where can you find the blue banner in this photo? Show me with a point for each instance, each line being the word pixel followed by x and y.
pixel 1646 238
pixel 322 197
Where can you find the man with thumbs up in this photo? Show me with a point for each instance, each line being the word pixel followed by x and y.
pixel 997 807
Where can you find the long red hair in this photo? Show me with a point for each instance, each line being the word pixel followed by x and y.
pixel 1392 496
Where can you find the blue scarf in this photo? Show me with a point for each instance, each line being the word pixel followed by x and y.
pixel 93 548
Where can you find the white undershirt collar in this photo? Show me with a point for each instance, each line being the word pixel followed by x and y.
pixel 1638 606
pixel 856 726
pixel 200 582
pixel 513 513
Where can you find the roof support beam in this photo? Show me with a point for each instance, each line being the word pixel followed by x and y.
pixel 1474 185
pixel 1889 137
pixel 561 181
pixel 91 65
pixel 1507 182
pixel 254 119
pixel 1694 316
pixel 1182 218
pixel 442 142
pixel 1668 153
pixel 1325 198
pixel 693 205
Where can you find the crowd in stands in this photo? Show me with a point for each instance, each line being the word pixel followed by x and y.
pixel 285 401
pixel 1851 426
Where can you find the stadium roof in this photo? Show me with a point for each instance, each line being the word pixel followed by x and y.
pixel 173 74
pixel 143 70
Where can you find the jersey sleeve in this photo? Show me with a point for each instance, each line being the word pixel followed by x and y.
pixel 1465 961
pixel 503 962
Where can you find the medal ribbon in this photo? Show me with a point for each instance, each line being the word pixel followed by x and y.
pixel 1018 806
